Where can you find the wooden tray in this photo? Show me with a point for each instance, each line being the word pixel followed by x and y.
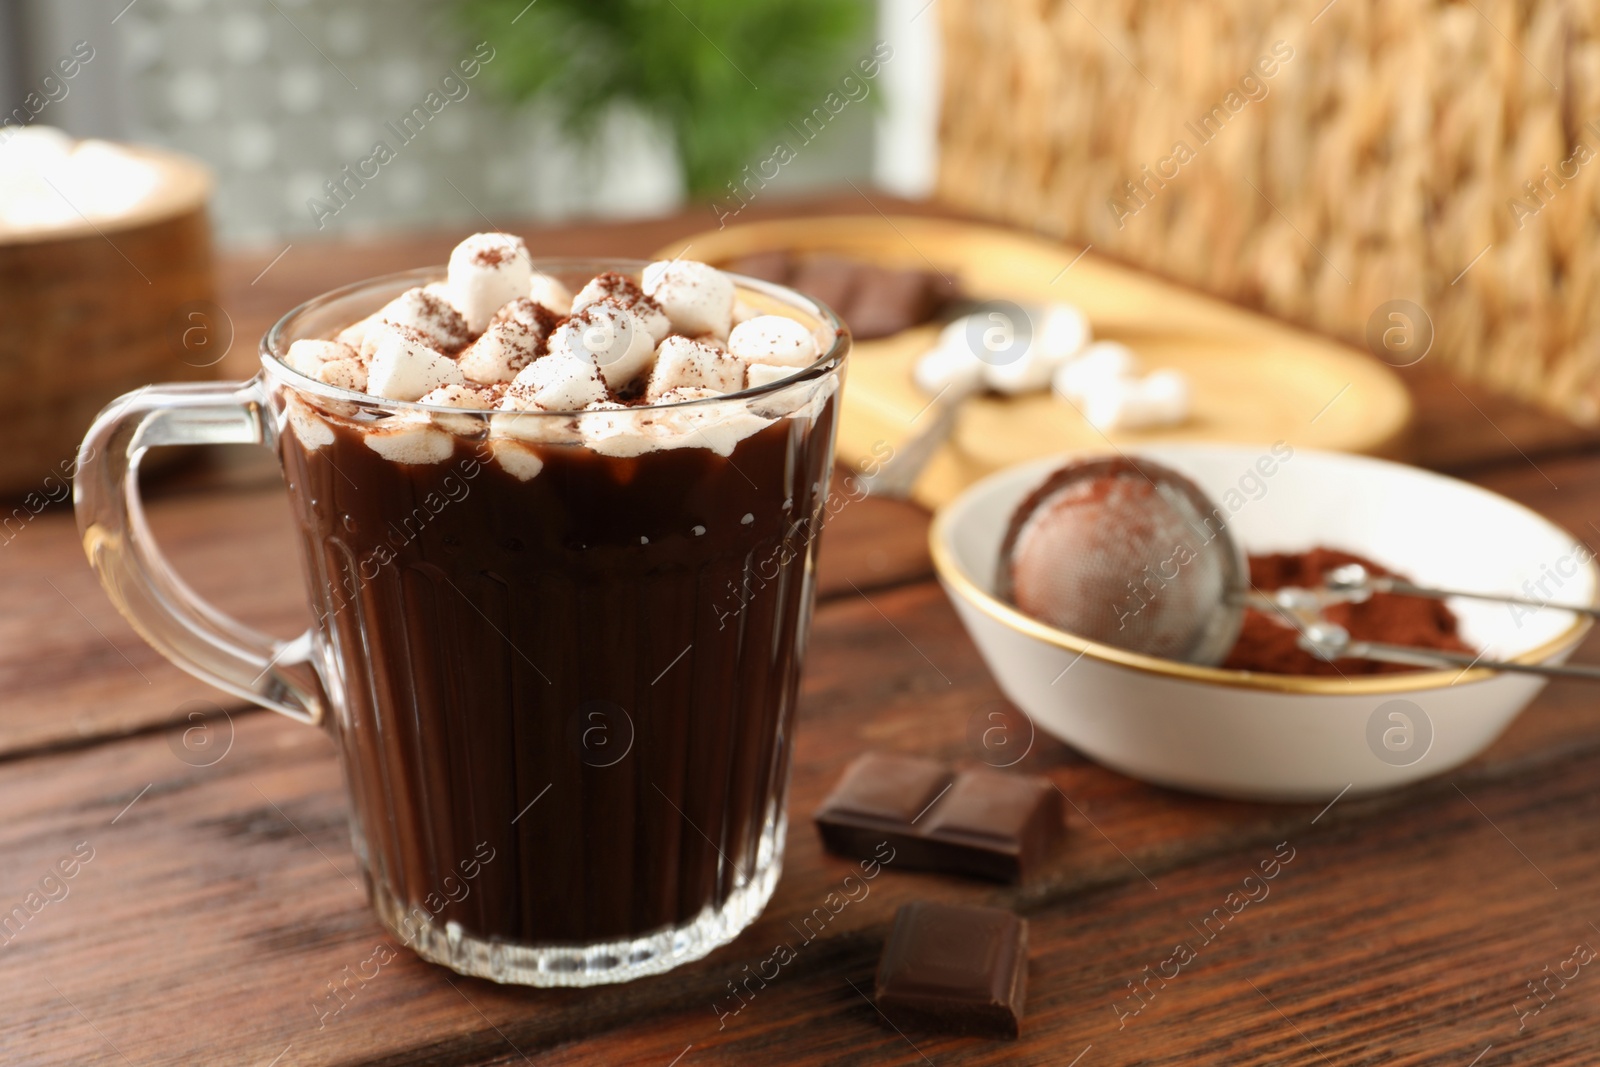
pixel 1255 380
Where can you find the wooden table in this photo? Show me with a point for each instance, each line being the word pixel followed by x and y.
pixel 221 903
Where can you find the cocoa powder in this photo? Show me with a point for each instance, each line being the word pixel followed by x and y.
pixel 1265 644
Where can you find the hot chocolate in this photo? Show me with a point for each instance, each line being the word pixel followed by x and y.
pixel 527 597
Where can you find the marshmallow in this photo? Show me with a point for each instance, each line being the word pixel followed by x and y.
pixel 1103 361
pixel 654 320
pixel 355 334
pixel 403 367
pixel 530 313
pixel 697 297
pixel 308 356
pixel 308 426
pixel 965 361
pixel 682 394
pixel 613 430
pixel 1026 372
pixel 954 335
pixel 682 362
pixel 948 368
pixel 467 397
pixel 512 361
pixel 561 381
pixel 758 374
pixel 549 292
pixel 710 340
pixel 622 291
pixel 487 270
pixel 534 426
pixel 611 288
pixel 519 461
pixel 799 399
pixel 773 339
pixel 717 426
pixel 457 396
pixel 507 346
pixel 430 313
pixel 1158 399
pixel 410 438
pixel 962 358
pixel 743 312
pixel 1169 392
pixel 348 374
pixel 1062 334
pixel 610 338
pixel 1059 332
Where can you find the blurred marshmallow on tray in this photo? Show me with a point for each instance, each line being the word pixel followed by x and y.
pixel 1158 399
pixel 1101 379
pixel 1097 364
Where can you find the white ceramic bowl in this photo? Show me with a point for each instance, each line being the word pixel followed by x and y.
pixel 1277 737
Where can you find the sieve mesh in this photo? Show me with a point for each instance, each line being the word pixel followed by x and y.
pixel 1128 553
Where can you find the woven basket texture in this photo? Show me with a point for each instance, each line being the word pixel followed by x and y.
pixel 1320 165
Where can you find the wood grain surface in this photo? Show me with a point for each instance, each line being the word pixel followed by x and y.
pixel 222 897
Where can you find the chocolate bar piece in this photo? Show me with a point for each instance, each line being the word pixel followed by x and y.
pixel 978 822
pixel 888 301
pixel 773 266
pixel 875 301
pixel 955 969
pixel 829 279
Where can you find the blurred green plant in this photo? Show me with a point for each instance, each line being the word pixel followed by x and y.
pixel 723 76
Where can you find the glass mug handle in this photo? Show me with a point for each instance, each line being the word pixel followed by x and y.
pixel 168 614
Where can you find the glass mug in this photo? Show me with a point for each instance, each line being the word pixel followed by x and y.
pixel 561 676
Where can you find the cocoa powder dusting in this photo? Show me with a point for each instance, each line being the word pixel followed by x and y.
pixel 1268 646
pixel 618 286
pixel 447 325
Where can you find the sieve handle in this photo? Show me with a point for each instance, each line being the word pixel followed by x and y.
pixel 1329 642
pixel 1354 582
pixel 896 478
pixel 1419 657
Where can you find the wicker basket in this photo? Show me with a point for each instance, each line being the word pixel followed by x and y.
pixel 1375 151
pixel 89 310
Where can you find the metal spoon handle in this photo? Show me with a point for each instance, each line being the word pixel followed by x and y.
pixel 1429 657
pixel 896 477
pixel 1399 585
pixel 1329 641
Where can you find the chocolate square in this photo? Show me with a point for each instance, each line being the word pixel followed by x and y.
pixel 955 969
pixel 829 279
pixel 980 822
pixel 1012 816
pixel 773 266
pixel 887 301
pixel 888 788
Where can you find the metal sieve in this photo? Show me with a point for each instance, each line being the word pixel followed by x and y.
pixel 1129 553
